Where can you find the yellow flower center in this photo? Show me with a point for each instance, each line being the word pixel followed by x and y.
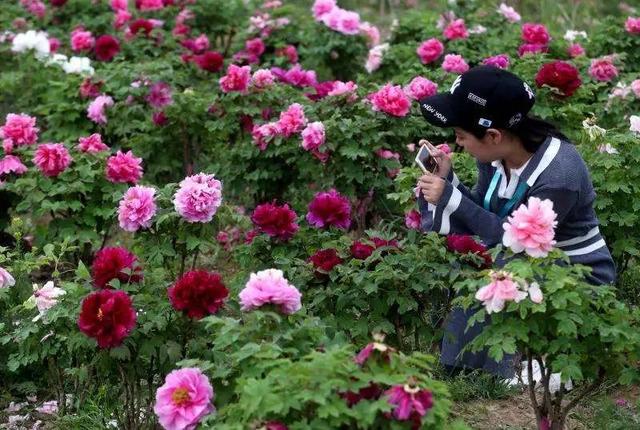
pixel 100 315
pixel 180 396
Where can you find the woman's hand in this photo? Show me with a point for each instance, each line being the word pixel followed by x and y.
pixel 444 163
pixel 431 187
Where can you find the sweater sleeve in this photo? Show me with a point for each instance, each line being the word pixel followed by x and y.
pixel 459 213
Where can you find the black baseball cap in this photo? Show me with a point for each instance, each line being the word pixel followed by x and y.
pixel 481 98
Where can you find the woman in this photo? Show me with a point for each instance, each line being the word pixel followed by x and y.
pixel 517 157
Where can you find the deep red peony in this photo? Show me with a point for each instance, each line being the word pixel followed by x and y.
pixel 106 47
pixel 107 316
pixel 198 293
pixel 114 263
pixel 211 61
pixel 141 25
pixel 325 260
pixel 361 250
pixel 559 75
pixel 465 244
pixel 276 221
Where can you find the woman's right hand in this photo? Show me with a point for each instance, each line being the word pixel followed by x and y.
pixel 444 162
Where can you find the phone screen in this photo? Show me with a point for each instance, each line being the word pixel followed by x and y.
pixel 425 160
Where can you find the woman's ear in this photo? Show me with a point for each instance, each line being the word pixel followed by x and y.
pixel 494 136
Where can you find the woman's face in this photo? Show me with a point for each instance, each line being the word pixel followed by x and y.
pixel 481 149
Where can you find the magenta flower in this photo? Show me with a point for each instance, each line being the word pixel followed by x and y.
pixel 137 208
pixel 420 88
pixel 52 158
pixel 456 30
pixel 184 400
pixel 411 403
pixel 632 25
pixel 391 100
pixel 81 40
pixel 500 290
pixel 454 64
pixel 255 47
pixel 342 21
pixel 124 168
pixel 535 34
pixel 236 79
pixel 322 7
pixel 262 78
pixel 340 88
pixel 159 95
pixel 270 287
pixel 384 351
pixel 530 228
pixel 92 144
pixel 313 136
pixel 11 164
pixel 328 209
pixel 263 134
pixel 501 61
pixel 198 198
pixel 603 69
pixel 430 50
pixel 412 219
pixel 146 5
pixel 575 50
pixel 18 130
pixel 292 120
pixel 95 111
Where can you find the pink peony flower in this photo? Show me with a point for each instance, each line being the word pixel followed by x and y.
pixel 322 7
pixel 288 51
pixel 420 88
pixel 509 13
pixel 635 87
pixel 262 78
pixel 501 61
pixel 313 136
pixel 145 5
pixel 95 111
pixel 340 88
pixel 159 95
pixel 386 154
pixel 456 30
pixel 575 50
pixel 255 47
pixel 371 32
pixel 263 134
pixel 92 144
pixel 411 403
pixel 270 287
pixel 120 18
pixel 530 228
pixel 18 130
pixel 198 45
pixel 124 168
pixel 136 208
pixel 634 124
pixel 500 290
pixel 184 400
pixel 412 219
pixel 532 48
pixel 328 209
pixel 342 21
pixel 292 120
pixel 54 45
pixel 11 164
pixel 52 158
pixel 603 69
pixel 117 5
pixel 46 297
pixel 236 79
pixel 535 34
pixel 81 40
pixel 454 64
pixel 374 58
pixel 198 197
pixel 384 351
pixel 632 25
pixel 6 280
pixel 430 50
pixel 391 100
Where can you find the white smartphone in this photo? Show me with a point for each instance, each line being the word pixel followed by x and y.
pixel 424 159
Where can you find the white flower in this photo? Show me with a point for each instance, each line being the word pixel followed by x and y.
pixel 46 297
pixel 535 293
pixel 634 121
pixel 621 90
pixel 607 148
pixel 58 59
pixel 37 41
pixel 6 280
pixel 478 29
pixel 592 129
pixel 571 35
pixel 80 65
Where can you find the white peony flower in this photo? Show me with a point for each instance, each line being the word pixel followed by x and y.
pixel 80 65
pixel 571 35
pixel 31 40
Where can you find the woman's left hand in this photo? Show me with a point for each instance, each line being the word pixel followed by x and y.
pixel 431 187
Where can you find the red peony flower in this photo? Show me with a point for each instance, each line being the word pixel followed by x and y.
pixel 141 25
pixel 329 209
pixel 106 47
pixel 211 61
pixel 559 75
pixel 114 263
pixel 90 89
pixel 276 221
pixel 198 293
pixel 361 250
pixel 58 3
pixel 465 244
pixel 107 316
pixel 325 260
pixel 372 391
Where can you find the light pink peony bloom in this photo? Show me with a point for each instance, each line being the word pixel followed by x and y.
pixel 456 30
pixel 607 149
pixel 198 197
pixel 500 290
pixel 635 87
pixel 602 69
pixel 420 88
pixel 270 287
pixel 454 64
pixel 340 88
pixel 124 168
pixel 255 46
pixel 35 7
pixel 391 100
pixel 322 7
pixel 48 408
pixel 236 79
pixel 184 400
pixel 530 228
pixel 6 280
pixel 575 50
pixel 82 40
pixel 387 154
pixel 632 25
pixel 121 17
pixel 92 144
pixel 371 32
pixel 501 61
pixel 136 208
pixel 11 164
pixel 292 120
pixel 263 134
pixel 342 21
pixel 47 296
pixel 145 5
pixel 430 50
pixel 52 158
pixel 262 78
pixel 374 58
pixel 95 111
pixel 412 219
pixel 509 13
pixel 634 121
pixel 18 130
pixel 313 136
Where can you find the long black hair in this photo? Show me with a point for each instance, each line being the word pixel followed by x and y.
pixel 532 131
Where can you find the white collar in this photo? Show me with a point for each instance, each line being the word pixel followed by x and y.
pixel 506 190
